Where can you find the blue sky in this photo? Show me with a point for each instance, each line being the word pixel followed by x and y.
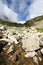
pixel 20 10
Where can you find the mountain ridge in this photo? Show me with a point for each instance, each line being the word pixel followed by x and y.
pixel 27 23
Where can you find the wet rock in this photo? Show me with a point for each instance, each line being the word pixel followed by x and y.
pixel 2 44
pixel 1 36
pixel 1 59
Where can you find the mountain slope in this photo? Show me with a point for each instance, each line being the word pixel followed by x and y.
pixel 8 23
pixel 35 22
pixel 39 24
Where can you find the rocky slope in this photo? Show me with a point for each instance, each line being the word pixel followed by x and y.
pixel 20 46
pixel 38 24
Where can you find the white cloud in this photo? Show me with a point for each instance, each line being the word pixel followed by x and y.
pixel 36 8
pixel 22 22
pixel 12 5
pixel 10 14
pixel 3 1
pixel 33 10
pixel 22 6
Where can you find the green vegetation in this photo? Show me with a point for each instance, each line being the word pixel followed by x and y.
pixel 28 23
pixel 39 29
pixel 33 21
pixel 10 23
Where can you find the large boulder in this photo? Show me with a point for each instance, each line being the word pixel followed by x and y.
pixel 31 44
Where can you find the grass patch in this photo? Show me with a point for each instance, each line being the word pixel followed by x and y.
pixel 10 23
pixel 39 29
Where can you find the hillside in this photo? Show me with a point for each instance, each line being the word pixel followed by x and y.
pixel 8 23
pixel 34 21
pixel 38 24
pixel 28 23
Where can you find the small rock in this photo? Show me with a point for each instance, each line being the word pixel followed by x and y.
pixel 42 51
pixel 10 49
pixel 13 39
pixel 9 44
pixel 41 40
pixel 35 59
pixel 40 59
pixel 30 54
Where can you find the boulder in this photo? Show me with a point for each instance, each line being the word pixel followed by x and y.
pixel 13 39
pixel 10 48
pixel 30 54
pixel 41 41
pixel 31 44
pixel 35 59
pixel 42 50
pixel 2 44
